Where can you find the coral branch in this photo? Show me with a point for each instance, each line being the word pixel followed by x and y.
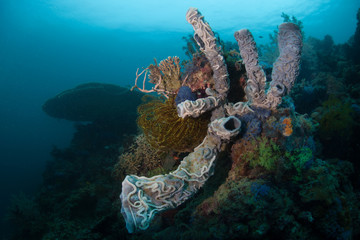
pixel 154 89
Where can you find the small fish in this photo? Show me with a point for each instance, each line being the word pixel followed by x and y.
pixel 261 37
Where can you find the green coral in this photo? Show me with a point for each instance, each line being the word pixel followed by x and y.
pixel 297 160
pixel 266 154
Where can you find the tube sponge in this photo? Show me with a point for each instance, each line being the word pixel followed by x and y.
pixel 286 66
pixel 142 198
pixel 255 88
pixel 205 38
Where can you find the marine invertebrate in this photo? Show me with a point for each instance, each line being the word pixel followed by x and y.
pixel 139 158
pixel 166 76
pixel 266 153
pixel 183 94
pixel 287 131
pixel 191 47
pixel 195 108
pixel 251 203
pixel 143 197
pixel 285 69
pixel 298 159
pixel 166 131
pixel 205 38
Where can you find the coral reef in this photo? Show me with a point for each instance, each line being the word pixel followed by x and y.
pixel 271 164
pixel 265 153
pixel 287 192
pixel 77 195
pixel 143 197
pixel 92 102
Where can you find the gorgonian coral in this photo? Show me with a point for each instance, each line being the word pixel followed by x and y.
pixel 166 74
pixel 165 130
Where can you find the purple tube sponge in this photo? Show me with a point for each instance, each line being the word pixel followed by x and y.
pixel 255 89
pixel 286 67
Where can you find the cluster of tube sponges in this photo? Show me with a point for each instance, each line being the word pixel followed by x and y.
pixel 143 197
pixel 285 69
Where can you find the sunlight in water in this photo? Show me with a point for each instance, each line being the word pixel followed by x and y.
pixel 227 17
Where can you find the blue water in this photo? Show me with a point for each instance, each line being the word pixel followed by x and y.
pixel 48 48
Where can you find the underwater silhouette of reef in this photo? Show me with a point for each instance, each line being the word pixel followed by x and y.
pixel 289 172
pixel 93 102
